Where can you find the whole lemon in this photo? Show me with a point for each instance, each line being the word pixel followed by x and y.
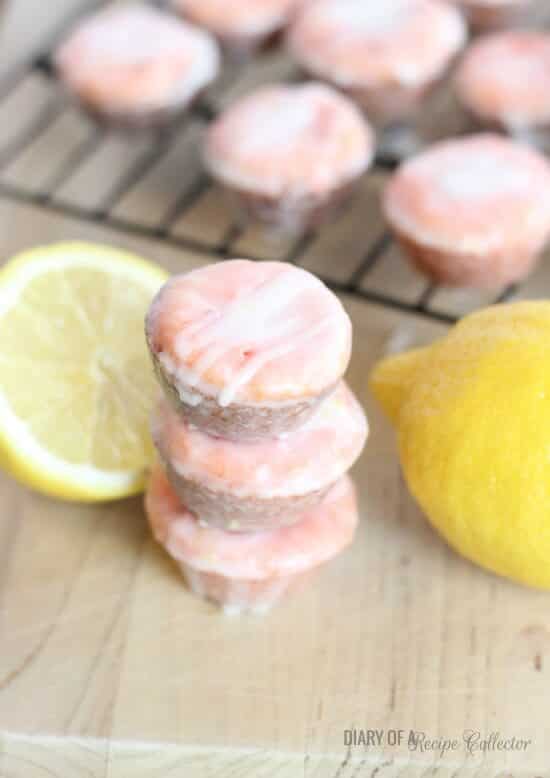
pixel 472 413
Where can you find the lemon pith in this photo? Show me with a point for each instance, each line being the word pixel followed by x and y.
pixel 473 426
pixel 76 385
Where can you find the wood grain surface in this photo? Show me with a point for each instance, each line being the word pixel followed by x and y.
pixel 110 669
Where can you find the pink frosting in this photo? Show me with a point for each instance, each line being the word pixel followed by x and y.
pixel 135 57
pixel 506 77
pixel 252 332
pixel 246 17
pixel 480 193
pixel 314 456
pixel 321 534
pixel 368 43
pixel 287 141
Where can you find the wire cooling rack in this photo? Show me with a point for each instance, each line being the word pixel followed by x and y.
pixel 152 184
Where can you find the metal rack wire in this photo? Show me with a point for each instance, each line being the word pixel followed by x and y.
pixel 38 118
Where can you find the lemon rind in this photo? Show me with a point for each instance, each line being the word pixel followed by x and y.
pixel 20 454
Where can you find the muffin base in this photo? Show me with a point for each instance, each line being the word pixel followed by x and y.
pixel 392 103
pixel 484 19
pixel 237 422
pixel 491 270
pixel 387 104
pixel 238 595
pixel 290 215
pixel 231 513
pixel 241 48
pixel 156 119
pixel 535 135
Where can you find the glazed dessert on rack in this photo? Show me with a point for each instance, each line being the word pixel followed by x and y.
pixel 253 486
pixel 243 29
pixel 252 571
pixel 290 155
pixel 504 81
pixel 135 66
pixel 247 350
pixel 386 55
pixel 473 211
pixel 488 15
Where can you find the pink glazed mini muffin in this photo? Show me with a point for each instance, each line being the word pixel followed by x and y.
pixel 242 487
pixel 136 66
pixel 250 572
pixel 386 54
pixel 247 350
pixel 487 15
pixel 290 155
pixel 245 26
pixel 472 212
pixel 504 80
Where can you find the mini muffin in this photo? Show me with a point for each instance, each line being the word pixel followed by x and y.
pixel 386 55
pixel 504 81
pixel 250 571
pixel 246 26
pixel 290 155
pixel 487 15
pixel 242 487
pixel 136 66
pixel 247 350
pixel 472 212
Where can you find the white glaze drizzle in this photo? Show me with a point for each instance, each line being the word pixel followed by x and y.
pixel 227 395
pixel 359 18
pixel 132 34
pixel 279 121
pixel 482 178
pixel 256 322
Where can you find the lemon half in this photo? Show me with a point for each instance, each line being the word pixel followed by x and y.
pixel 76 384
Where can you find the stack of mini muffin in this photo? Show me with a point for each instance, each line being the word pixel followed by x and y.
pixel 256 429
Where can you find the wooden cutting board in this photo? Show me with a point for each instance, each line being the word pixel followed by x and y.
pixel 110 669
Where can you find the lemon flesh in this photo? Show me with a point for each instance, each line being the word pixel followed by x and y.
pixel 472 414
pixel 76 384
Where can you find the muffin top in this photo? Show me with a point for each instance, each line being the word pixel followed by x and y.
pixel 247 17
pixel 321 534
pixel 474 194
pixel 250 332
pixel 289 141
pixel 355 43
pixel 506 78
pixel 136 57
pixel 314 456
